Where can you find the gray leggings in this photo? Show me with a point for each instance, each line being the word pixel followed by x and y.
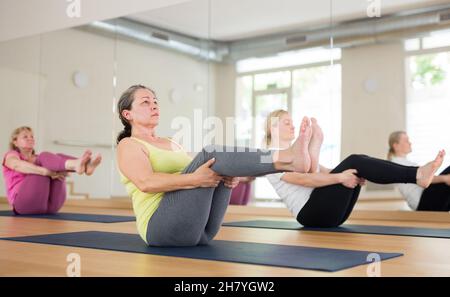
pixel 194 216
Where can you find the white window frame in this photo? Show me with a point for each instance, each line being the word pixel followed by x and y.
pixel 411 53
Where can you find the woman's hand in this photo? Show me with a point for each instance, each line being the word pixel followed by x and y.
pixel 361 181
pixel 205 177
pixel 53 174
pixel 60 175
pixel 349 179
pixel 47 172
pixel 231 182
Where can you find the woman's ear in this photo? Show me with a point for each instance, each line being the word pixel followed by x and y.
pixel 126 114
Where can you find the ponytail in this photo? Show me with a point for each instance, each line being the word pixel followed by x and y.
pixel 390 154
pixel 126 132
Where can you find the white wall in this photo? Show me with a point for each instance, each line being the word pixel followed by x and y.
pixel 78 114
pixel 225 80
pixel 19 89
pixel 62 111
pixel 369 117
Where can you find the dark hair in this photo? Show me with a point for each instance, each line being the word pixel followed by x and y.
pixel 125 102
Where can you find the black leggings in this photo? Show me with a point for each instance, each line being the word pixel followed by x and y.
pixel 330 206
pixel 436 197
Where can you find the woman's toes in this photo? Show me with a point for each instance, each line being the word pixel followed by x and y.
pixel 92 165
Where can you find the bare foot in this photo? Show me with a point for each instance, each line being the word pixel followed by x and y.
pixel 80 166
pixel 92 164
pixel 426 173
pixel 301 159
pixel 315 145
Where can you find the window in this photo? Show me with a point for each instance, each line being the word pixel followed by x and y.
pixel 317 93
pixel 428 105
pixel 303 89
pixel 435 39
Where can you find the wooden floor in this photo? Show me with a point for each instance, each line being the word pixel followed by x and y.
pixel 423 256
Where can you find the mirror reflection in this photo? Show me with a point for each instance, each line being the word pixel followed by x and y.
pixel 371 82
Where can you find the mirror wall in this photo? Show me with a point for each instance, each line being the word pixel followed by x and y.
pixel 395 71
pixel 218 70
pixel 65 84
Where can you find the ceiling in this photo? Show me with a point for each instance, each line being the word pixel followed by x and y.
pixel 21 18
pixel 237 19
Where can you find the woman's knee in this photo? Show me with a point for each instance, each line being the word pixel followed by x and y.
pixel 44 155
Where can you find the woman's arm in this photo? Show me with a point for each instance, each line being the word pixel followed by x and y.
pixel 133 163
pixel 311 180
pixel 315 180
pixel 440 179
pixel 13 162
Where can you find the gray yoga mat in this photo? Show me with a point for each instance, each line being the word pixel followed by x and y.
pixel 81 217
pixel 364 229
pixel 312 258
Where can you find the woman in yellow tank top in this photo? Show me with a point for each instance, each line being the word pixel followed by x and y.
pixel 177 200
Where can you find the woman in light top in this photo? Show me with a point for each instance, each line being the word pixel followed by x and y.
pixel 35 183
pixel 324 197
pixel 434 198
pixel 177 200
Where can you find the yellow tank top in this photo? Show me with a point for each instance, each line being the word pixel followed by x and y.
pixel 145 204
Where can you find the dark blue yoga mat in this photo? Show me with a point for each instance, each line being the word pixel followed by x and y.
pixel 81 217
pixel 364 229
pixel 322 259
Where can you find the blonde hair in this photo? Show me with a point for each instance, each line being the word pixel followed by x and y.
pixel 393 138
pixel 14 135
pixel 269 122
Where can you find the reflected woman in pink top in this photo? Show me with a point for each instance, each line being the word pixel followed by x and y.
pixel 35 183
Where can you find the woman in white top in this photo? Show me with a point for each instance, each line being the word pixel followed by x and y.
pixel 324 197
pixel 434 198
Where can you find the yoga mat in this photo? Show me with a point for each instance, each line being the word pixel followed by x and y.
pixel 322 259
pixel 81 217
pixel 364 229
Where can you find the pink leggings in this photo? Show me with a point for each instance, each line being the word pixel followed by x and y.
pixel 40 194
